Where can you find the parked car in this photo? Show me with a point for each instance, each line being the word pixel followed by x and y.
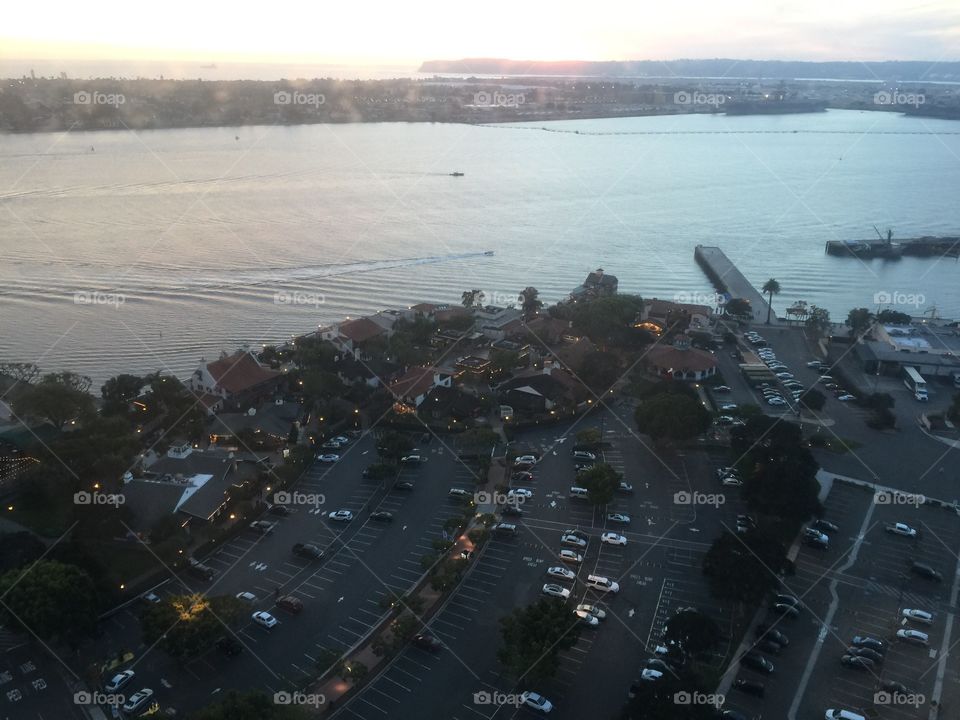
pixel 723 388
pixel 765 631
pixel 522 476
pixel 625 488
pixel 787 611
pixel 290 603
pixel 599 582
pixel 412 459
pixel 597 612
pixel 918 616
pixel 613 539
pixel 926 572
pixel 514 493
pixel 650 674
pixel 460 494
pixel 618 518
pixel 119 680
pixel 872 655
pixel 869 642
pixel 768 646
pixel 403 485
pixel 328 458
pixel 264 527
pixel 824 526
pixel 750 687
pixel 341 515
pixel 137 701
pixel 308 551
pixel 511 510
pixel 785 599
pixel 857 663
pixel 577 533
pixel 573 540
pixel 584 455
pixel 586 618
pixel 261 617
pixel 554 590
pixel 901 529
pixel 914 636
pixel 757 662
pixel 382 516
pixel 525 460
pixel 246 597
pixel 427 642
pixel 731 481
pixel 561 572
pixel 536 701
pixel 570 556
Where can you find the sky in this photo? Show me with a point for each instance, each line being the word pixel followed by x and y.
pixel 391 33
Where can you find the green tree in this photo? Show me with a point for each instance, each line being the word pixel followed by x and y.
pixel 738 306
pixel 255 705
pixel 859 320
pixel 611 321
pixel 589 438
pixel 185 626
pixel 55 601
pixel 601 482
pixel 503 361
pixel 770 288
pixel 118 392
pixel 530 301
pixel 472 298
pixel 672 417
pixel 534 636
pixel 56 399
pixel 893 317
pixel 743 568
pixel 658 700
pixel 693 632
pixel 19 548
pixel 599 371
pixel 818 321
pixel 392 446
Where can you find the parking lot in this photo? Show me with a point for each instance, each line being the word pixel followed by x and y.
pixel 657 571
pixel 858 588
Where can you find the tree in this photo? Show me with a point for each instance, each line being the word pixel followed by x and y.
pixel 54 600
pixel 118 392
pixel 658 700
pixel 770 288
pixel 534 636
pixel 19 548
pixel 859 320
pixel 472 298
pixel 738 306
pixel 672 417
pixel 255 705
pixel 693 632
pixel 601 482
pixel 818 320
pixel 393 445
pixel 611 321
pixel 530 301
pixel 20 372
pixel 502 361
pixel 320 386
pixel 953 413
pixel 813 399
pixel 599 371
pixel 185 626
pixel 56 399
pixel 893 317
pixel 743 568
pixel 589 438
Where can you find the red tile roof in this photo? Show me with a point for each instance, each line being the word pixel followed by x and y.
pixel 668 357
pixel 239 372
pixel 414 382
pixel 360 330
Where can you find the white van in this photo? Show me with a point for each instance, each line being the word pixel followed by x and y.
pixel 598 582
pixel 578 493
pixel 843 715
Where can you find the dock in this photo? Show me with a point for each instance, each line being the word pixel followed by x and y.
pixel 928 246
pixel 726 278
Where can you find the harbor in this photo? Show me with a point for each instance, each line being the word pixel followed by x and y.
pixel 727 278
pixel 887 248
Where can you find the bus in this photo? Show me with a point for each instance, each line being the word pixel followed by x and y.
pixel 915 383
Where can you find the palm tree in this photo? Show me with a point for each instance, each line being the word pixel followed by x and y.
pixel 471 298
pixel 771 287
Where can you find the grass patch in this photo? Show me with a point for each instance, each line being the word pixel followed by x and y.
pixel 835 445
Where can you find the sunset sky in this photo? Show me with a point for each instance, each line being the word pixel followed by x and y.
pixel 407 33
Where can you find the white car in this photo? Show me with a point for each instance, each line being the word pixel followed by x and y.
pixel 570 556
pixel 832 714
pixel 341 440
pixel 731 481
pixel 573 540
pixel 847 398
pixel 901 529
pixel 599 582
pixel 520 493
pixel 137 700
pixel 119 680
pixel 914 636
pixel 618 518
pixel 726 407
pixel 558 571
pixel 598 613
pixel 815 364
pixel 536 701
pixel 262 617
pixel 584 455
pixel 411 460
pixel 328 458
pixel 341 515
pixel 650 674
pixel 555 590
pixel 246 597
pixel 918 616
pixel 525 459
pixel 612 538
pixel 776 401
pixel 587 618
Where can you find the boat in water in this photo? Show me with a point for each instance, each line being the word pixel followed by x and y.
pixel 456 174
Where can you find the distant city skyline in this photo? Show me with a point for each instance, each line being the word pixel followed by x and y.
pixel 405 35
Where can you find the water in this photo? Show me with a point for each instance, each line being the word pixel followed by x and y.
pixel 200 233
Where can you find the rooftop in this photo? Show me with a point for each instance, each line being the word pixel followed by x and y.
pixel 239 372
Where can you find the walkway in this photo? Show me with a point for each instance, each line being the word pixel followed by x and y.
pixel 727 278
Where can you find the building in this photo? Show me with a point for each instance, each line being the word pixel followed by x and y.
pixel 680 361
pixel 411 389
pixel 233 382
pixel 355 337
pixel 664 316
pixel 551 389
pixel 271 424
pixel 497 323
pixel 597 285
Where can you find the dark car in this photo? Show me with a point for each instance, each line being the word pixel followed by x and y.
pixel 786 610
pixel 818 543
pixel 382 516
pixel 757 662
pixel 522 476
pixel 229 646
pixel 865 653
pixel 403 485
pixel 427 642
pixel 511 510
pixel 750 687
pixel 897 689
pixel 733 715
pixel 658 664
pixel 824 526
pixel 768 646
pixel 926 572
pixel 279 510
pixel 765 631
pixel 857 663
pixel 868 642
pixel 307 550
pixel 290 604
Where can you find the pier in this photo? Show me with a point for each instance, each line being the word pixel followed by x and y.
pixel 726 278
